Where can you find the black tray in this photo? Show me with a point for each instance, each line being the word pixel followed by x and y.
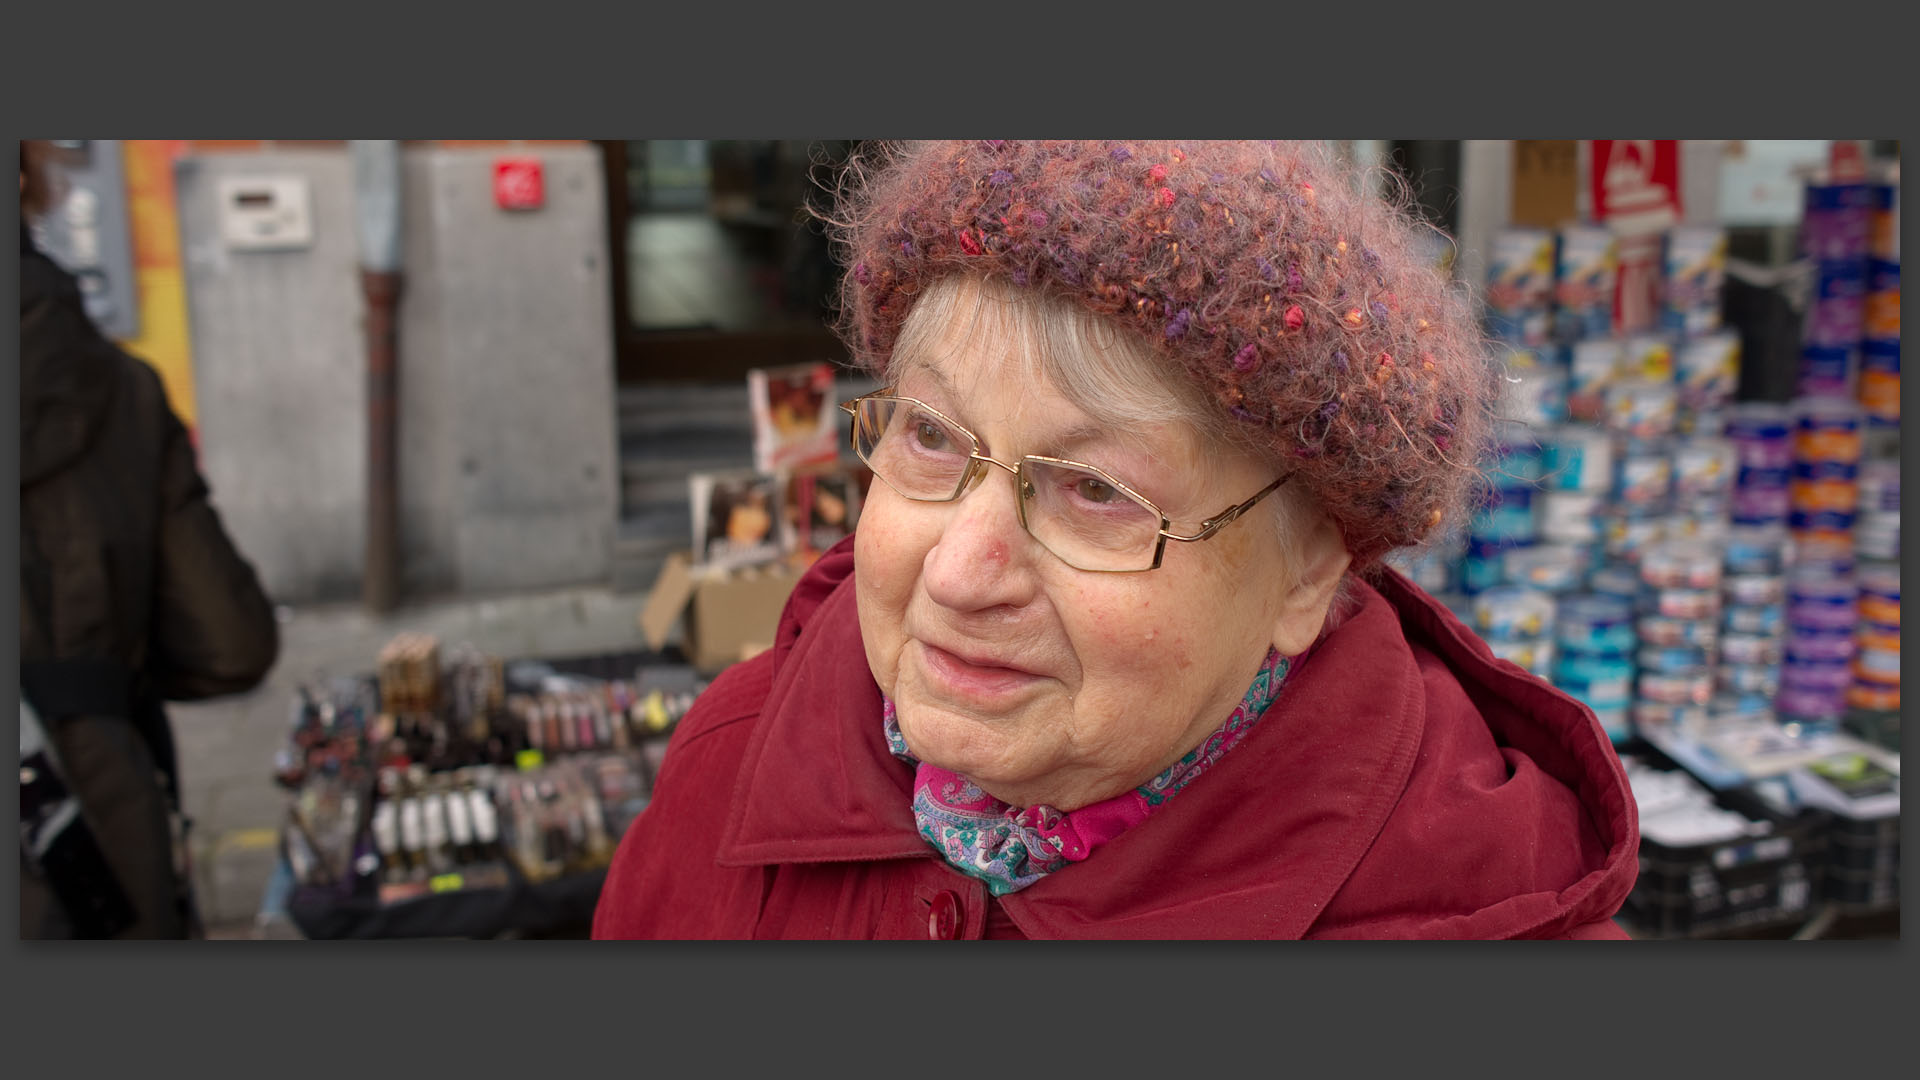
pixel 1702 890
pixel 558 907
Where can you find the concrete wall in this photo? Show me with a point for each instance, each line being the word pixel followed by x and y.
pixel 279 377
pixel 507 445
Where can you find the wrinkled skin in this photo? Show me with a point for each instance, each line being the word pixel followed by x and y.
pixel 1042 683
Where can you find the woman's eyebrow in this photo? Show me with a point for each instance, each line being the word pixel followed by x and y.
pixel 906 369
pixel 1082 435
pixel 1063 443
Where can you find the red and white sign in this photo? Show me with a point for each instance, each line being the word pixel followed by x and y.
pixel 519 183
pixel 1636 183
pixel 1845 163
pixel 1636 193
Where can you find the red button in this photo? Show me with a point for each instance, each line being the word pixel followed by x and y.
pixel 943 921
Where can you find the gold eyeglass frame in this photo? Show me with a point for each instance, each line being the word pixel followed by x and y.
pixel 1023 486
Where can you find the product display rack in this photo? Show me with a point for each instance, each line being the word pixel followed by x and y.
pixel 471 798
pixel 1716 577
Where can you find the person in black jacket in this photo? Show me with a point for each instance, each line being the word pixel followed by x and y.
pixel 132 593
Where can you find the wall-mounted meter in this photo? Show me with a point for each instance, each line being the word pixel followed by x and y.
pixel 88 232
pixel 266 213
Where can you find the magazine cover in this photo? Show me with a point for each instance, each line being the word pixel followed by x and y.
pixel 819 507
pixel 735 516
pixel 795 420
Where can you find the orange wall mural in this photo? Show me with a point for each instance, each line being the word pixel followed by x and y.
pixel 159 281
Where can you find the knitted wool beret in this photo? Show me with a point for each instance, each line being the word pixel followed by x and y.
pixel 1310 311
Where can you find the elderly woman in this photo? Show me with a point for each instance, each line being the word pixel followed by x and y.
pixel 1113 652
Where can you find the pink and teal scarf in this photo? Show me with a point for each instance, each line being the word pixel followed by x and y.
pixel 1011 848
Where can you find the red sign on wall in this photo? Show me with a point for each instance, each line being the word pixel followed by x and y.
pixel 518 183
pixel 1636 192
pixel 1636 183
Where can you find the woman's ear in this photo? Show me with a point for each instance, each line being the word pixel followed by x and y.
pixel 1323 564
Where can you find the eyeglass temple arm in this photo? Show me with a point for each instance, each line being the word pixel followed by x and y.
pixel 1224 518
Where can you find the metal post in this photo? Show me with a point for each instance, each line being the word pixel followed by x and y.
pixel 376 174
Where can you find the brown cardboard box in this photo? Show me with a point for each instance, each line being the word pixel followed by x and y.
pixel 728 617
pixel 1546 182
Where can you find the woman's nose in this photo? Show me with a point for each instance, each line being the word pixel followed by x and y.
pixel 983 558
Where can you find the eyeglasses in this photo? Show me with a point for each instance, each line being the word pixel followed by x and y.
pixel 1080 513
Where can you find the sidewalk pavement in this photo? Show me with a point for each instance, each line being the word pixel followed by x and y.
pixel 227 746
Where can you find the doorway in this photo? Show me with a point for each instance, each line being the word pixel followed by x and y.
pixel 717 265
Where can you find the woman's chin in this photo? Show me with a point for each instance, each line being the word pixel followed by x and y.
pixel 980 748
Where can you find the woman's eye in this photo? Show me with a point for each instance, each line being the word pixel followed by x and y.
pixel 930 435
pixel 1093 491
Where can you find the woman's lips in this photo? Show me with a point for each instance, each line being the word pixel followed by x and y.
pixel 962 678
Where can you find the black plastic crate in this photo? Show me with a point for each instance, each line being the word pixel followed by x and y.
pixel 1863 842
pixel 1880 832
pixel 1700 890
pixel 1882 729
pixel 1863 863
pixel 1855 891
pixel 1865 846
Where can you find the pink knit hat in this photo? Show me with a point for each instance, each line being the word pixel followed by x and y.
pixel 1310 311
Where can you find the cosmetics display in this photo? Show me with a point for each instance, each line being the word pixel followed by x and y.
pixel 452 793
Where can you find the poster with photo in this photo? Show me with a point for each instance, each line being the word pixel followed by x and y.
pixel 819 508
pixel 735 519
pixel 795 416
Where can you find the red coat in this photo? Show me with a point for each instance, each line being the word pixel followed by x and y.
pixel 1404 785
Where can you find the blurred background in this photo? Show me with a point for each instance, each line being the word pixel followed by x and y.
pixel 1694 525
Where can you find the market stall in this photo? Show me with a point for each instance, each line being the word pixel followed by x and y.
pixel 1709 563
pixel 459 795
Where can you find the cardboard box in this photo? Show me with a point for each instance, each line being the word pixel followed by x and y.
pixel 1546 182
pixel 729 617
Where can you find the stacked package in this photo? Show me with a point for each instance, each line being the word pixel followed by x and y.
pixel 1879 383
pixel 1875 687
pixel 1874 693
pixel 1706 356
pixel 1835 234
pixel 1517 623
pixel 1823 496
pixel 1595 640
pixel 1612 446
pixel 1507 521
pixel 1519 317
pixel 1821 603
pixel 1520 276
pixel 1762 437
pixel 1672 558
pixel 1828 439
pixel 1753 621
pixel 1576 480
pixel 1678 626
pixel 1641 412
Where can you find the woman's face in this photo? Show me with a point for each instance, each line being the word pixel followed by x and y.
pixel 1040 682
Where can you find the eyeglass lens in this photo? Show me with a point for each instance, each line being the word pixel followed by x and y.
pixel 1080 514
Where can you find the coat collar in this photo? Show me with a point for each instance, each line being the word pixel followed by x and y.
pixel 816 782
pixel 1320 776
